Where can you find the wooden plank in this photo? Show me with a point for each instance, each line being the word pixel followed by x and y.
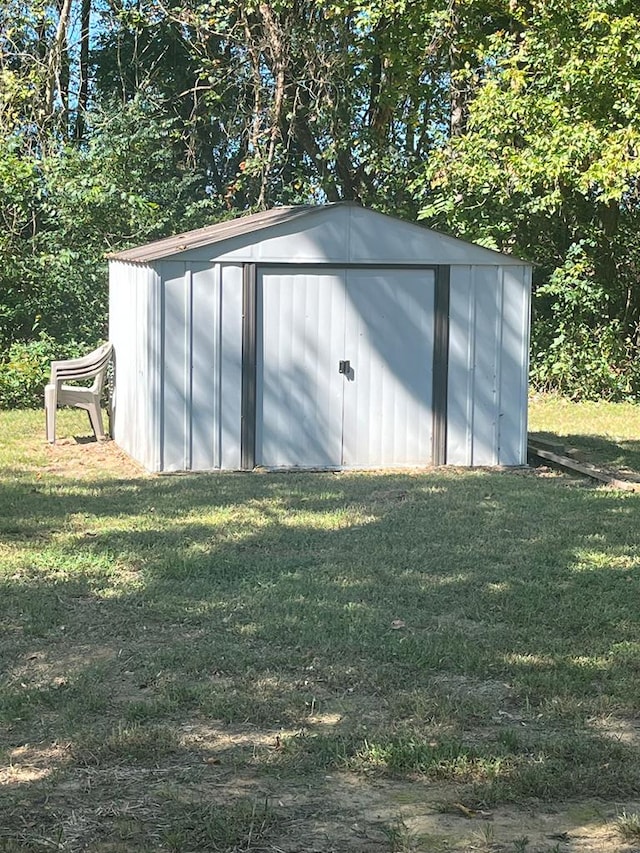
pixel 583 468
pixel 547 444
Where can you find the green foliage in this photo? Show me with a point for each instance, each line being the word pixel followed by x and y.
pixel 575 349
pixel 24 369
pixel 585 362
pixel 547 168
pixel 67 209
pixel 512 124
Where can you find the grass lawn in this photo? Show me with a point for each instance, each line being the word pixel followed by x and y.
pixel 606 434
pixel 430 661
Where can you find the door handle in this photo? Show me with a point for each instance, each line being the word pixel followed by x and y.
pixel 344 367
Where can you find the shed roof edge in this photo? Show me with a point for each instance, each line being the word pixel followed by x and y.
pixel 178 244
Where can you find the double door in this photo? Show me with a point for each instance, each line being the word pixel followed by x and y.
pixel 344 367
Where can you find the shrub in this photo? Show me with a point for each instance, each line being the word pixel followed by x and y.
pixel 579 347
pixel 25 369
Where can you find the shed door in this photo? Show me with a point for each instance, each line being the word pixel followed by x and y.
pixel 389 344
pixel 300 339
pixel 344 367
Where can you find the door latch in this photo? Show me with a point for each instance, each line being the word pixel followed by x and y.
pixel 344 367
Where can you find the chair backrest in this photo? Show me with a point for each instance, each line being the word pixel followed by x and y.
pixel 87 367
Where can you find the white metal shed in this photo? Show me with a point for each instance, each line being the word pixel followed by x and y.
pixel 319 337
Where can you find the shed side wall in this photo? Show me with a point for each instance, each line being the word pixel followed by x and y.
pixel 488 365
pixel 132 328
pixel 514 376
pixel 204 414
pixel 460 383
pixel 176 385
pixel 230 366
pixel 486 387
pixel 201 366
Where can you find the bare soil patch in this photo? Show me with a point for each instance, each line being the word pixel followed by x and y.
pixel 336 813
pixel 79 458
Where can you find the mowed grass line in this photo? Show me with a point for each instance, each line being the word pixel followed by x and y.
pixel 477 628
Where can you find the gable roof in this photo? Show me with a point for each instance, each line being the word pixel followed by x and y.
pixel 213 233
pixel 258 222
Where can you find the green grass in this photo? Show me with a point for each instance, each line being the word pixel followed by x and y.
pixel 602 433
pixel 628 826
pixel 166 637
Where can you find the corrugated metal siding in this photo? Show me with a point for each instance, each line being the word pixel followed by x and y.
pixel 204 435
pixel 131 330
pixel 486 329
pixel 514 366
pixel 153 342
pixel 460 372
pixel 230 366
pixel 176 375
pixel 377 238
pixel 345 234
pixel 211 234
pixel 201 367
pixel 488 363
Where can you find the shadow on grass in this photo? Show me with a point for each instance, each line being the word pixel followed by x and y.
pixel 501 607
pixel 597 450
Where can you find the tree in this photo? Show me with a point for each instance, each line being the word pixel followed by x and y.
pixel 303 100
pixel 547 166
pixel 510 122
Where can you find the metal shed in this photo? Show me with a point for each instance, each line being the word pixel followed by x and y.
pixel 319 337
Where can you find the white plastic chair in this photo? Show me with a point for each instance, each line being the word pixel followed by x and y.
pixel 93 366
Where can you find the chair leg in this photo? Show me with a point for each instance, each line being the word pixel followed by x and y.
pixel 95 416
pixel 50 405
pixel 110 415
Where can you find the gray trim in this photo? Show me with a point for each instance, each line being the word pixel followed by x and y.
pixel 217 379
pixel 188 368
pixel 344 265
pixel 440 365
pixel 162 371
pixel 248 424
pixel 155 355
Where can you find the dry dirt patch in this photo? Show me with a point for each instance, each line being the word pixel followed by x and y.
pixel 432 819
pixel 80 458
pixel 337 813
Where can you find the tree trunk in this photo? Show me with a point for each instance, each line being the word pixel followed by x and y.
pixel 276 44
pixel 458 94
pixel 57 81
pixel 83 94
